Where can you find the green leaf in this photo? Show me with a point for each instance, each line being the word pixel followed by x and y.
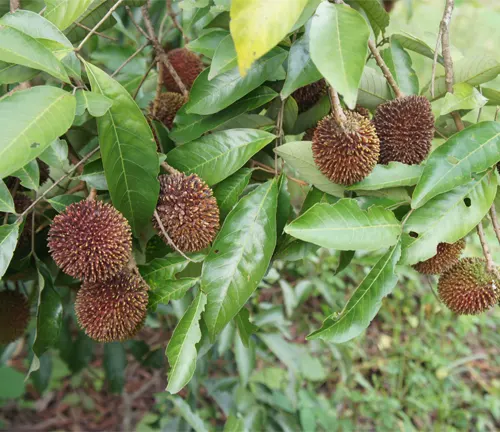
pixel 400 64
pixel 473 70
pixel 373 89
pixel 447 218
pixel 472 150
pixel 8 241
pixel 378 17
pixel 13 73
pixel 128 152
pixel 6 201
pixel 245 359
pixel 56 155
pixel 188 127
pixel 311 117
pixel 224 58
pixel 216 156
pixel 229 190
pixel 395 174
pixel 365 302
pixel 59 203
pixel 290 114
pixel 48 317
pixel 160 270
pixel 64 12
pixel 240 256
pixel 96 103
pixel 345 259
pixel 344 226
pixel 492 95
pixel 187 414
pixel 181 350
pixel 92 15
pixel 73 66
pixel 339 45
pixel 234 424
pixel 464 97
pixel 93 175
pixel 207 43
pixel 19 48
pixel 29 175
pixel 415 44
pixel 209 97
pixel 31 120
pixel 301 69
pixel 36 26
pixel 298 155
pixel 245 327
pixel 259 25
pixel 170 290
pixel 12 383
pixel 115 363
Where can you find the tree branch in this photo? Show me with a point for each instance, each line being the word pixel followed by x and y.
pixel 14 5
pixel 126 62
pixel 172 16
pixel 385 70
pixel 490 264
pixel 151 66
pixel 494 221
pixel 96 32
pixel 167 237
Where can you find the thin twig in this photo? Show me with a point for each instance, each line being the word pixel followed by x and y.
pixel 385 70
pixel 73 168
pixel 137 26
pixel 144 78
pixel 14 5
pixel 428 279
pixel 96 32
pixel 434 62
pixel 126 62
pixel 92 194
pixel 91 33
pixel 174 21
pixel 490 264
pixel 268 169
pixel 338 112
pixel 280 133
pixel 494 221
pixel 169 240
pixel 496 113
pixel 160 52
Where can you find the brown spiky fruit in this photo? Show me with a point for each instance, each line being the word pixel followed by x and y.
pixel 188 211
pixel 90 240
pixel 14 316
pixel 44 171
pixel 187 65
pixel 363 111
pixel 167 106
pixel 113 310
pixel 309 95
pixel 446 257
pixel 405 127
pixel 346 154
pixel 469 288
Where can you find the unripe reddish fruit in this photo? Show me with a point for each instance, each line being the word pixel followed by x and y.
pixel 446 257
pixel 14 316
pixel 187 65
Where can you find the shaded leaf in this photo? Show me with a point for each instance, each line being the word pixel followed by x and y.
pixel 345 259
pixel 400 64
pixel 170 290
pixel 128 152
pixel 12 383
pixel 207 43
pixel 96 103
pixel 464 97
pixel 209 97
pixel 12 73
pixel 6 201
pixel 59 203
pixel 181 350
pixel 229 190
pixel 115 363
pixel 92 15
pixel 216 156
pixel 259 25
pixel 245 359
pixel 339 45
pixel 28 121
pixel 8 241
pixel 378 17
pixel 311 117
pixel 245 327
pixel 187 414
pixel 365 302
pixel 373 89
pixel 395 174
pixel 224 58
pixel 56 155
pixel 29 175
pixel 93 175
pixel 472 150
pixel 239 256
pixel 64 12
pixel 415 44
pixel 344 226
pixel 234 424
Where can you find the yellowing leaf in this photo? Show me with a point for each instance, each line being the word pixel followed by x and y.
pixel 259 25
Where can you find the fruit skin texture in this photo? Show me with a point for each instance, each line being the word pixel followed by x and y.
pixel 446 257
pixel 187 65
pixel 405 127
pixel 188 211
pixel 14 316
pixel 90 240
pixel 309 95
pixel 113 310
pixel 468 288
pixel 168 105
pixel 346 156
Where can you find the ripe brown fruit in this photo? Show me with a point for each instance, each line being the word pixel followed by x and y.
pixel 187 65
pixel 345 155
pixel 446 257
pixel 14 316
pixel 405 127
pixel 90 240
pixel 113 310
pixel 468 288
pixel 188 211
pixel 309 95
pixel 168 105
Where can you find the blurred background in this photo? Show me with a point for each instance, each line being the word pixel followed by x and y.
pixel 418 367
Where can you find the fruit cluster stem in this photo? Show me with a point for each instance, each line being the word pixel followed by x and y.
pixel 337 110
pixel 169 240
pixel 490 264
pixel 169 169
pixel 385 70
pixel 494 221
